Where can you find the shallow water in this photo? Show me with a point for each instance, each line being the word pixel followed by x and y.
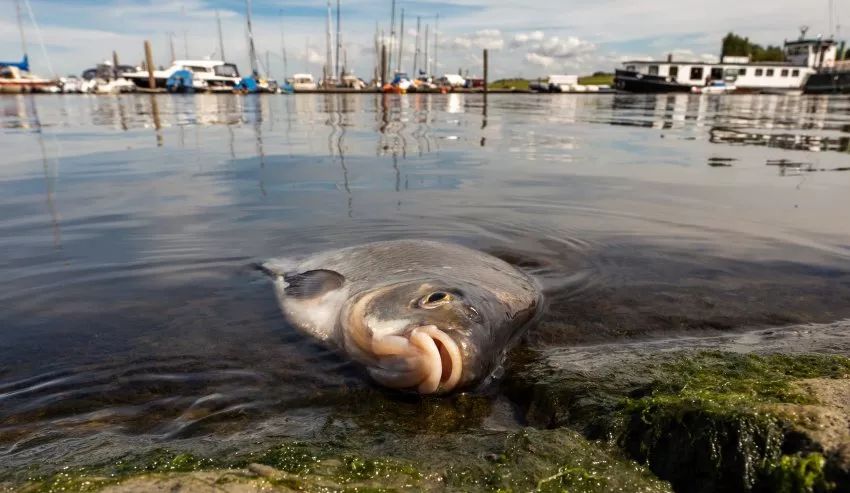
pixel 130 316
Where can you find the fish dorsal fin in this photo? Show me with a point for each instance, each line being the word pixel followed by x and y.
pixel 313 283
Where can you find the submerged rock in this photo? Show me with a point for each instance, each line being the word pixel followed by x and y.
pixel 526 460
pixel 707 421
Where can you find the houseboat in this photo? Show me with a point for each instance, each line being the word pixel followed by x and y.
pixel 803 57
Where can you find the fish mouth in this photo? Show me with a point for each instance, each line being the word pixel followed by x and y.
pixel 425 358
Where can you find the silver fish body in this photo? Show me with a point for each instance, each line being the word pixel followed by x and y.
pixel 422 315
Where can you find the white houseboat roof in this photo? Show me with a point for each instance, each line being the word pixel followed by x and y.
pixel 810 41
pixel 699 62
pixel 199 63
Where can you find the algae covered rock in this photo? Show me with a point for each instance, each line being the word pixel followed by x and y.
pixel 704 420
pixel 525 460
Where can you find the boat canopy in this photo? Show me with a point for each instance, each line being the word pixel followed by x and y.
pixel 23 64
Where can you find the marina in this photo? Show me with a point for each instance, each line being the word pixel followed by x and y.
pixel 457 246
pixel 811 65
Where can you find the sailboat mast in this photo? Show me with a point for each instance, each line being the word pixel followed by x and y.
pixel 427 66
pixel 329 62
pixel 436 34
pixel 171 45
pixel 220 37
pixel 401 40
pixel 21 26
pixel 338 43
pixel 416 52
pixel 251 50
pixel 392 38
pixel 283 48
pixel 377 52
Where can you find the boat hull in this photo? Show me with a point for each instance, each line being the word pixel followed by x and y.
pixel 626 80
pixel 19 86
pixel 144 82
pixel 828 83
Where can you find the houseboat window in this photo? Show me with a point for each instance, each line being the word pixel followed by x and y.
pixel 653 70
pixel 770 72
pixel 696 73
pixel 226 70
pixel 795 73
pixel 630 68
pixel 717 73
pixel 784 72
pixel 759 72
pixel 742 71
pixel 674 70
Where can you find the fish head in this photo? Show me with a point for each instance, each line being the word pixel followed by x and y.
pixel 432 335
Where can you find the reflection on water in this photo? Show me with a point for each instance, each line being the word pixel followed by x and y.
pixel 128 224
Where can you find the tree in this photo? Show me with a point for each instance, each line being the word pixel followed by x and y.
pixel 734 45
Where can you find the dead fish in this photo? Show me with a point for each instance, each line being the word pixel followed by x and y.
pixel 421 315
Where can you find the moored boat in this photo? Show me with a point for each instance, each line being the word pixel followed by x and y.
pixel 302 82
pixel 399 85
pixel 802 58
pixel 15 77
pixel 207 75
pixel 715 87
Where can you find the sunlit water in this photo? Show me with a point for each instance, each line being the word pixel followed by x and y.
pixel 130 316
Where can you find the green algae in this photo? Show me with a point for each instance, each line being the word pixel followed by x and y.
pixel 527 460
pixel 797 474
pixel 553 460
pixel 706 421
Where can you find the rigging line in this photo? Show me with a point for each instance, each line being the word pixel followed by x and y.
pixel 40 37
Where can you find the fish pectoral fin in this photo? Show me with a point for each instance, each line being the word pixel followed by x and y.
pixel 312 283
pixel 275 267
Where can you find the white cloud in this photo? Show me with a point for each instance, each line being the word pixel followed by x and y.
pixel 563 48
pixel 540 60
pixel 79 35
pixel 490 39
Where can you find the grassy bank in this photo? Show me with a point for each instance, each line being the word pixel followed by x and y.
pixel 597 79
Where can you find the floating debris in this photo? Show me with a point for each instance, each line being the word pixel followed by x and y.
pixel 721 162
pixel 794 168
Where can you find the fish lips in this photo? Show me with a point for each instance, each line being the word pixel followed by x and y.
pixel 427 359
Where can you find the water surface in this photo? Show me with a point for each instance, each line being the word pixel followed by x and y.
pixel 130 316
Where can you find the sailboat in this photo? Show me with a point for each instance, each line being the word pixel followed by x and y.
pixel 16 76
pixel 254 83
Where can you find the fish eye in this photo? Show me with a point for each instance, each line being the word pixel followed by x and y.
pixel 435 299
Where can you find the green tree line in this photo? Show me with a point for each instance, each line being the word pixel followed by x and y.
pixel 734 45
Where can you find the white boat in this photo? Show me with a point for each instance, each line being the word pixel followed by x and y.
pixel 71 84
pixel 207 75
pixel 302 82
pixel 107 79
pixel 452 80
pixel 715 87
pixel 803 57
pixel 13 79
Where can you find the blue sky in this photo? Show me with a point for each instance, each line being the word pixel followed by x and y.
pixel 530 39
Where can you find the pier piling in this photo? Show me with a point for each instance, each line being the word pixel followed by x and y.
pixel 149 63
pixel 485 72
pixel 114 65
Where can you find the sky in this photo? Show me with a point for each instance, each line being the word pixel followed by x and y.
pixel 530 39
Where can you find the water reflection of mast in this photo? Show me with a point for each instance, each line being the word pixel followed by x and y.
pixel 50 184
pixel 341 151
pixel 258 133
